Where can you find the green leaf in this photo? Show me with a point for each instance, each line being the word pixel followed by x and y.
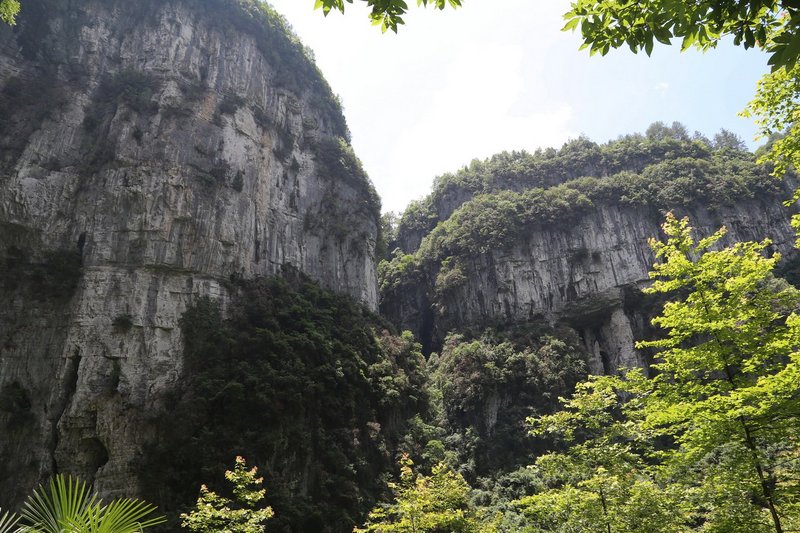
pixel 571 24
pixel 70 507
pixel 663 35
pixel 8 522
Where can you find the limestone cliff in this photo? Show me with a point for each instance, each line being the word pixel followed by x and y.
pixel 487 250
pixel 525 271
pixel 149 152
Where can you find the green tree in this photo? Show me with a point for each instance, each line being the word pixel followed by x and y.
pixel 9 10
pixel 244 514
pixel 769 24
pixel 713 435
pixel 435 503
pixel 605 480
pixel 727 140
pixel 387 14
pixel 67 505
pixel 776 112
pixel 728 378
pixel 658 131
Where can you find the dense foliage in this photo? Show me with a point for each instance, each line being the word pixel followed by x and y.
pixel 487 386
pixel 664 168
pixel 607 479
pixel 303 382
pixel 727 382
pixel 768 24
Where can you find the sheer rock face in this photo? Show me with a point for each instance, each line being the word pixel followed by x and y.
pixel 588 274
pixel 148 152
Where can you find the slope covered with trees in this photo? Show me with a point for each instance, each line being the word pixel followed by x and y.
pixel 665 167
pixel 594 463
pixel 306 384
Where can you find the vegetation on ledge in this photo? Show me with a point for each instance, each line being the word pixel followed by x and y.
pixel 665 168
pixel 493 204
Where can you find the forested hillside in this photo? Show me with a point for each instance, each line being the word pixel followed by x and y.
pixel 563 233
pixel 524 273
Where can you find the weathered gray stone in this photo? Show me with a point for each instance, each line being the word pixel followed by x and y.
pixel 206 171
pixel 580 274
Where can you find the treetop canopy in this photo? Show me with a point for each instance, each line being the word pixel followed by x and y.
pixel 768 24
pixel 386 13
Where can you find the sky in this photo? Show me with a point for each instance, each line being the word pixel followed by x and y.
pixel 495 75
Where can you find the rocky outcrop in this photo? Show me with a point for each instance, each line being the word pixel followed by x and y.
pixel 149 152
pixel 588 273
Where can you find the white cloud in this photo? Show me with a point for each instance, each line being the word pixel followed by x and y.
pixel 497 75
pixel 472 115
pixel 451 86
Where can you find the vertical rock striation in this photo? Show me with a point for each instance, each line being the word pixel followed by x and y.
pixel 150 151
pixel 566 254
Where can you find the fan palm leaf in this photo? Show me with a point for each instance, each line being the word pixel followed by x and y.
pixel 8 522
pixel 119 516
pixel 53 511
pixel 69 506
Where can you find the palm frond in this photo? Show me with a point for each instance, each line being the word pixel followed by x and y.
pixel 70 506
pixel 120 516
pixel 8 522
pixel 55 510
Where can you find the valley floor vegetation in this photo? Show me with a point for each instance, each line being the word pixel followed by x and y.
pixel 706 441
